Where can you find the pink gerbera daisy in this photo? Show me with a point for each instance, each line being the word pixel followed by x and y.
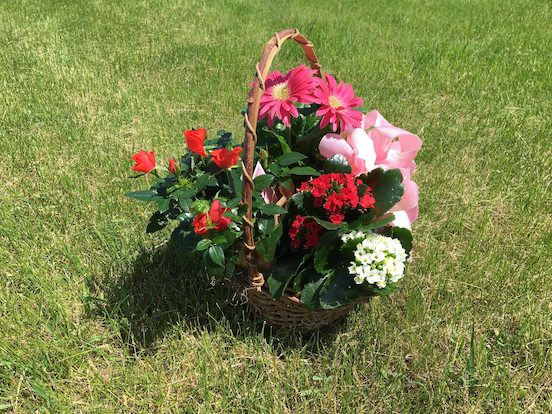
pixel 336 104
pixel 283 91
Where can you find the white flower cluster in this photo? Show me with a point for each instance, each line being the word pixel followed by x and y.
pixel 378 259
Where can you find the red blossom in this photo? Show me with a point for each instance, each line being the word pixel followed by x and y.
pixel 204 222
pixel 338 193
pixel 224 158
pixel 145 162
pixel 305 232
pixel 194 140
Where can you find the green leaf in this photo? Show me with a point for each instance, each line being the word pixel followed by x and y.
pixel 402 234
pixel 275 169
pixel 225 239
pixel 185 217
pixel 290 158
pixel 236 182
pixel 272 209
pixel 386 291
pixel 283 143
pixel 281 275
pixel 163 204
pixel 185 194
pixel 340 290
pixel 265 225
pixel 361 222
pixel 203 244
pixel 186 239
pixel 386 187
pixel 310 294
pixel 156 222
pixel 328 225
pixel 302 276
pixel 337 164
pixel 298 199
pixel 266 247
pixel 262 181
pixel 144 195
pixel 185 204
pixel 327 243
pixel 233 202
pixel 217 255
pixel 202 181
pixel 304 171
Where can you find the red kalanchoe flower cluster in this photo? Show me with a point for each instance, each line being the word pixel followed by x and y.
pixel 204 222
pixel 305 232
pixel 337 193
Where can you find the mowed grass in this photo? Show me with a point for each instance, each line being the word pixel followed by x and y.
pixel 97 317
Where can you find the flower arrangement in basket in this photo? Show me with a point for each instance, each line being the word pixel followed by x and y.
pixel 316 209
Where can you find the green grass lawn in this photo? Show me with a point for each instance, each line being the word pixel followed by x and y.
pixel 98 317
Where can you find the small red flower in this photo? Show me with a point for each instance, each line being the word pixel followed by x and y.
pixel 338 193
pixel 204 222
pixel 305 232
pixel 172 166
pixel 145 162
pixel 367 200
pixel 194 140
pixel 224 158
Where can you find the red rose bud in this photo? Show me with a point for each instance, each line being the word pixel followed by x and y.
pixel 172 166
pixel 145 162
pixel 224 158
pixel 194 140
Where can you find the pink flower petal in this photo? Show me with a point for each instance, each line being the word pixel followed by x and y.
pixel 363 148
pixel 332 144
pixel 409 198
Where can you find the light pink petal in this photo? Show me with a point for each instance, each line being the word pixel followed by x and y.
pixel 372 119
pixel 259 170
pixel 381 145
pixel 409 198
pixel 412 214
pixel 363 148
pixel 332 144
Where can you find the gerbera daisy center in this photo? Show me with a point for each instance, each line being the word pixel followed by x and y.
pixel 281 91
pixel 334 102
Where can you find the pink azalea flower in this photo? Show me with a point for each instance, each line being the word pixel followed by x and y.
pixel 283 91
pixel 378 144
pixel 336 104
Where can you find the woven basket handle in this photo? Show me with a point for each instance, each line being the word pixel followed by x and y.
pixel 272 47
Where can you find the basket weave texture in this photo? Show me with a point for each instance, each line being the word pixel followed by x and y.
pixel 287 311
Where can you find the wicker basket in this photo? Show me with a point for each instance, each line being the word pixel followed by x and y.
pixel 288 311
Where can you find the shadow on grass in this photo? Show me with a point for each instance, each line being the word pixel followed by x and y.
pixel 167 287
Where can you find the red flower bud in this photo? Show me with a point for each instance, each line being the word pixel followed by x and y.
pixel 194 140
pixel 172 166
pixel 145 162
pixel 224 158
